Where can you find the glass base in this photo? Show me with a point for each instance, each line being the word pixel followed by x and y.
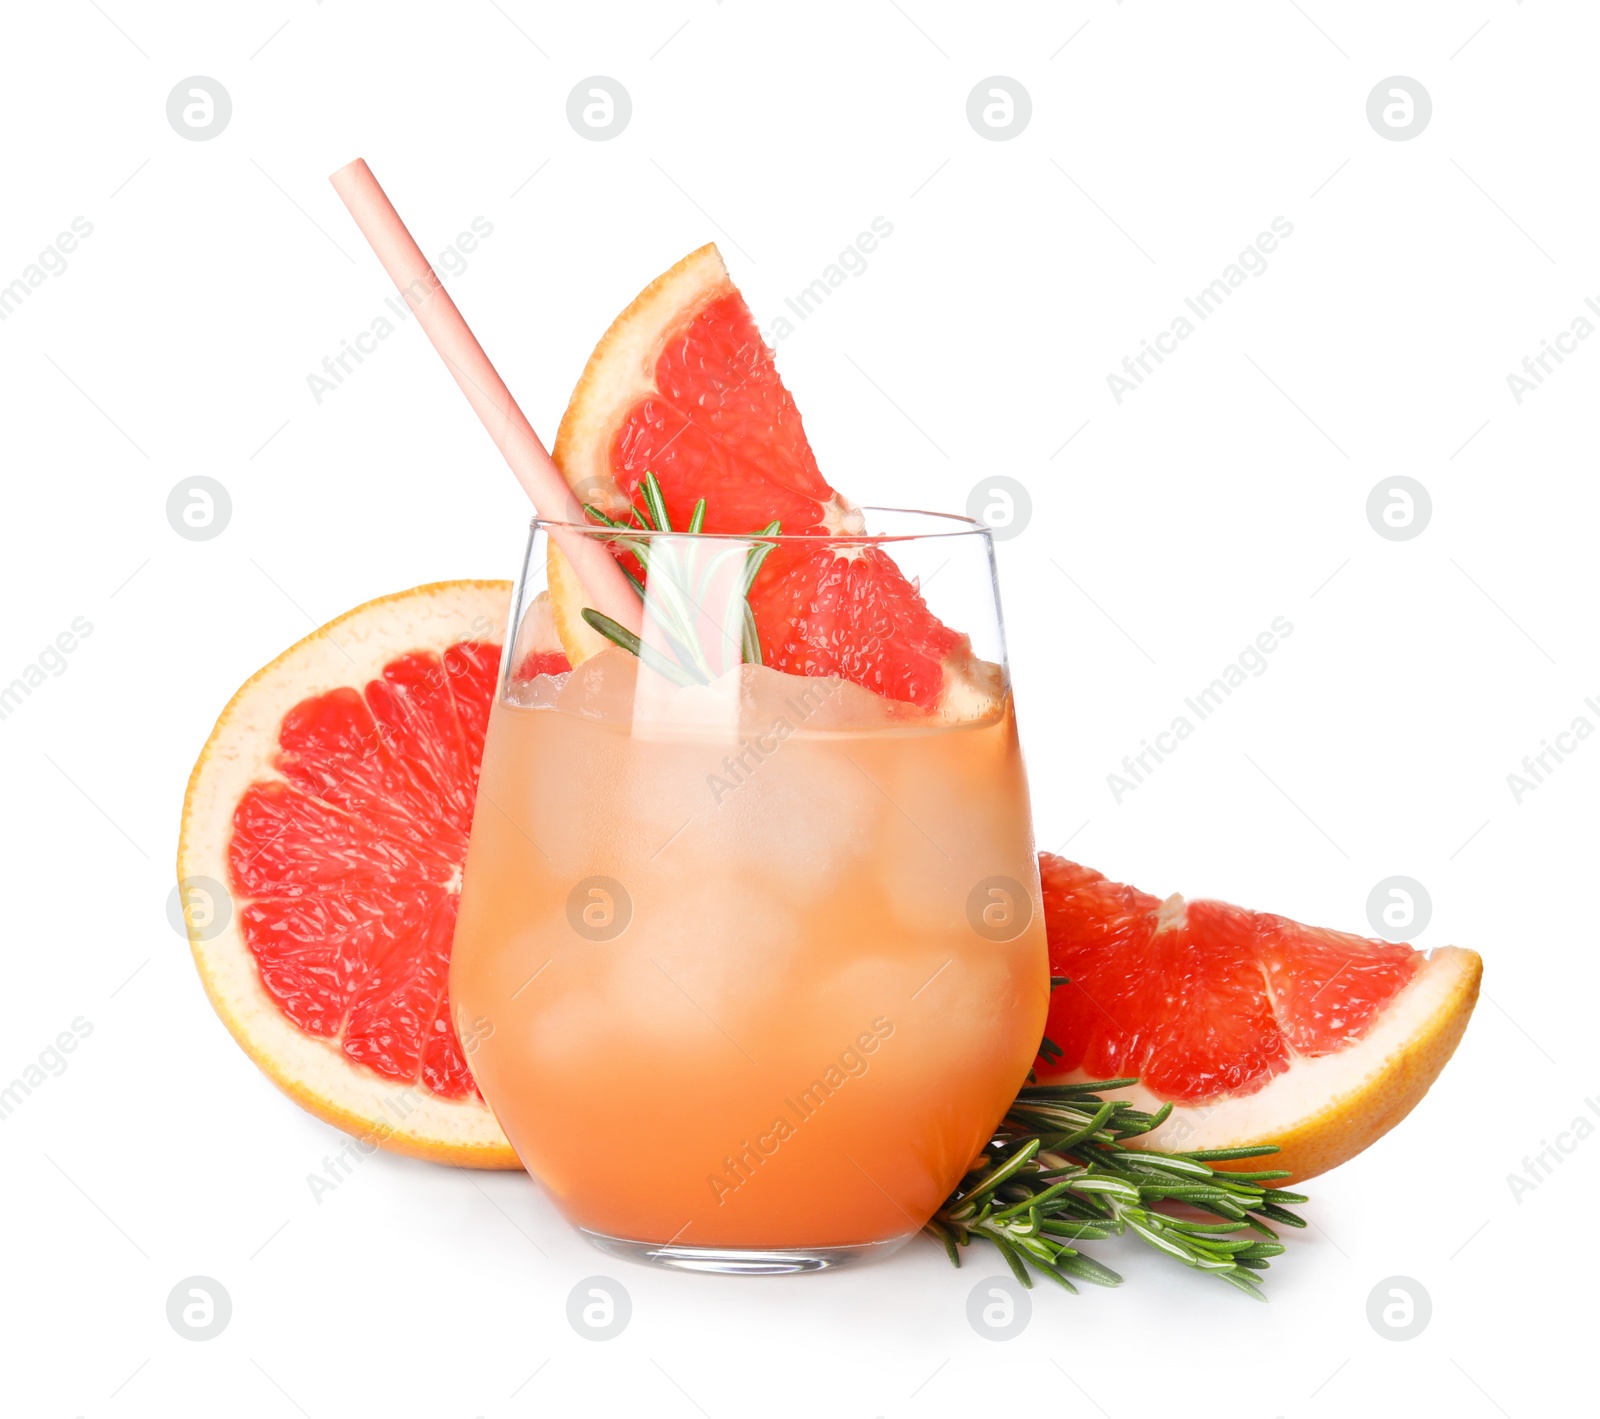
pixel 744 1261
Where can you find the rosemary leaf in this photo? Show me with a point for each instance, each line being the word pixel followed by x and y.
pixel 1280 1214
pixel 599 516
pixel 759 554
pixel 1015 1262
pixel 655 501
pixel 648 654
pixel 1054 1272
pixel 1086 1268
pixel 1245 1281
pixel 751 643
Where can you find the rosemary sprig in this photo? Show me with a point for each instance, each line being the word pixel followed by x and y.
pixel 1057 1173
pixel 675 585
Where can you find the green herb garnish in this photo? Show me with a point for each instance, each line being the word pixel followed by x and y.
pixel 677 580
pixel 1056 1173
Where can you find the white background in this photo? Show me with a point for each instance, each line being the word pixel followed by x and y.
pixel 1168 531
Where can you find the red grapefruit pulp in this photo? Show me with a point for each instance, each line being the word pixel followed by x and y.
pixel 333 802
pixel 683 386
pixel 348 866
pixel 1254 1027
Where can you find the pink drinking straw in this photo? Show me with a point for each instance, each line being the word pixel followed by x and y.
pixel 508 426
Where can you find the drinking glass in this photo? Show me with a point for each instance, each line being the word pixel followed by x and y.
pixel 753 961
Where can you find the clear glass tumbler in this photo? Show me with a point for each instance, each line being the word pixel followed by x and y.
pixel 755 956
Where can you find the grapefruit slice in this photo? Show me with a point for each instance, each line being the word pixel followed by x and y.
pixel 1256 1029
pixel 333 802
pixel 682 385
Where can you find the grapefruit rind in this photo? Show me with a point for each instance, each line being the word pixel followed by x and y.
pixel 350 650
pixel 1321 1112
pixel 578 638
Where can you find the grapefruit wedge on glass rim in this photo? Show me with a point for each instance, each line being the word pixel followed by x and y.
pixel 331 805
pixel 1254 1028
pixel 683 386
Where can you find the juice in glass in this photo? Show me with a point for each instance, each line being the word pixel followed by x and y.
pixel 753 967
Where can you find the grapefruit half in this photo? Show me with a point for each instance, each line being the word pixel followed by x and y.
pixel 332 802
pixel 682 385
pixel 1255 1029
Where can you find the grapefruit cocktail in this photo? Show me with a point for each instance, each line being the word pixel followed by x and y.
pixel 750 957
pixel 776 936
